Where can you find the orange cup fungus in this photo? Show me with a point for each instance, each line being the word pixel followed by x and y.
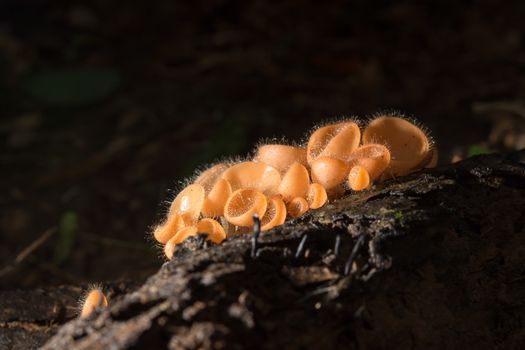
pixel 213 228
pixel 94 299
pixel 275 213
pixel 243 204
pixel 335 140
pixel 281 157
pixel 297 207
pixel 358 178
pixel 286 181
pixel 408 144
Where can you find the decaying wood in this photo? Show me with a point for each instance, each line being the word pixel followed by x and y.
pixel 433 260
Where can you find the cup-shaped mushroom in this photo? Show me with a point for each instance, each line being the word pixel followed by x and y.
pixel 297 207
pixel 374 157
pixel 275 213
pixel 256 175
pixel 213 228
pixel 407 143
pixel 334 140
pixel 179 237
pixel 242 204
pixel 175 222
pixel 188 202
pixel 434 159
pixel 317 196
pixel 358 178
pixel 216 199
pixel 94 300
pixel 209 177
pixel 281 157
pixel 295 182
pixel 329 172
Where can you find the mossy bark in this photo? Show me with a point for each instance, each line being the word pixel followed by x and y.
pixel 432 260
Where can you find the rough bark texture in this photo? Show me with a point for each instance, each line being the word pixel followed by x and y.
pixel 436 260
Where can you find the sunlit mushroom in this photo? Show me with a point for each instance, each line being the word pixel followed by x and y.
pixel 329 172
pixel 175 222
pixel 213 228
pixel 317 196
pixel 375 158
pixel 94 299
pixel 215 200
pixel 295 182
pixel 334 140
pixel 281 157
pixel 189 202
pixel 242 204
pixel 275 213
pixel 179 237
pixel 358 178
pixel 297 207
pixel 256 175
pixel 408 144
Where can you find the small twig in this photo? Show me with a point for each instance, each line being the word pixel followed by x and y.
pixel 24 253
pixel 337 244
pixel 301 245
pixel 256 233
pixel 352 256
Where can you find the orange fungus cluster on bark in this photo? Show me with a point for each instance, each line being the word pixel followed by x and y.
pixel 284 181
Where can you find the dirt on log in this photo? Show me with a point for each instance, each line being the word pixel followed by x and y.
pixel 432 260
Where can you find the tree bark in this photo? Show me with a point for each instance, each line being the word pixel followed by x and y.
pixel 432 260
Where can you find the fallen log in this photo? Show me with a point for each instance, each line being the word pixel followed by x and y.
pixel 431 260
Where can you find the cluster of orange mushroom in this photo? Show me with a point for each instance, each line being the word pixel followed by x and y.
pixel 283 181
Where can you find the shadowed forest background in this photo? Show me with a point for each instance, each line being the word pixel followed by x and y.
pixel 106 106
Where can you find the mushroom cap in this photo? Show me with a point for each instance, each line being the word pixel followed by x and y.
pixel 94 300
pixel 213 228
pixel 280 156
pixel 163 232
pixel 407 143
pixel 189 202
pixel 214 203
pixel 259 176
pixel 275 213
pixel 358 178
pixel 209 177
pixel 179 237
pixel 295 182
pixel 334 140
pixel 317 196
pixel 374 157
pixel 329 172
pixel 297 207
pixel 243 204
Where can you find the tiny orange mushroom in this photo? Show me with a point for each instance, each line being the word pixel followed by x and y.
pixel 317 196
pixel 335 140
pixel 358 178
pixel 175 222
pixel 213 228
pixel 408 144
pixel 189 202
pixel 275 213
pixel 242 204
pixel 375 158
pixel 297 207
pixel 259 176
pixel 213 205
pixel 179 237
pixel 281 157
pixel 295 182
pixel 95 299
pixel 329 172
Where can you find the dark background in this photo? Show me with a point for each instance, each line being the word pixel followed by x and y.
pixel 105 106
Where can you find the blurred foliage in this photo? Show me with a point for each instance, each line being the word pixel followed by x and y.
pixel 69 87
pixel 67 231
pixel 477 149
